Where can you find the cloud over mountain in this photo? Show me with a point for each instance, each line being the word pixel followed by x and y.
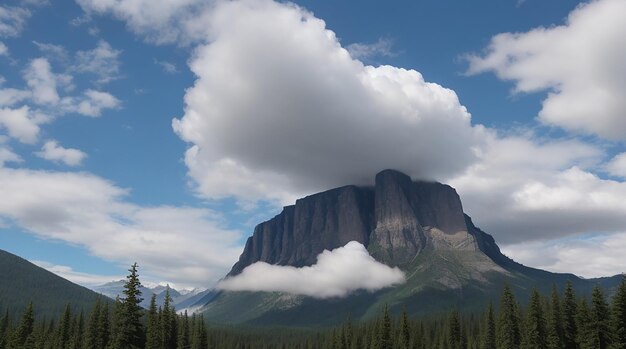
pixel 280 109
pixel 336 274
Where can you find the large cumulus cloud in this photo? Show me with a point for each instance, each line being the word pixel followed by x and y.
pixel 280 109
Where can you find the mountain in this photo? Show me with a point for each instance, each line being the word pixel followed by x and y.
pixel 181 299
pixel 417 226
pixel 21 282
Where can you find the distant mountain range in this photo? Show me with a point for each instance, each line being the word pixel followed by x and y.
pixel 182 299
pixel 419 227
pixel 22 282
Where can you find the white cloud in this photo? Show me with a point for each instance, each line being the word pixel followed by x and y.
pixel 57 52
pixel 167 67
pixel 280 109
pixel 177 244
pixel 161 21
pixel 91 104
pixel 617 166
pixel 42 82
pixel 4 50
pixel 20 124
pixel 7 155
pixel 381 48
pixel 587 256
pixel 102 61
pixel 337 273
pixel 12 20
pixel 12 96
pixel 52 151
pixel 81 278
pixel 523 189
pixel 581 63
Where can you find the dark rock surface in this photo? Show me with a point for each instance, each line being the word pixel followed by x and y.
pixel 391 219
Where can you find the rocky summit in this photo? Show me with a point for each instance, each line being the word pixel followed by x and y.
pixel 418 226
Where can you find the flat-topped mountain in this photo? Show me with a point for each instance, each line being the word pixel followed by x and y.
pixel 417 226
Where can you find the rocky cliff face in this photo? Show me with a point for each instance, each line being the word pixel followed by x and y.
pixel 396 219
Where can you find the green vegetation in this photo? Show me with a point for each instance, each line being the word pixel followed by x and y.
pixel 22 282
pixel 550 322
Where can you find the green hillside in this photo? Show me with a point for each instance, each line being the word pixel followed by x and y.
pixel 21 282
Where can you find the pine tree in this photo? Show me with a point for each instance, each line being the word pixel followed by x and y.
pixel 600 320
pixel 489 335
pixel 63 331
pixel 385 342
pixel 25 328
pixel 168 323
pixel 584 335
pixel 508 328
pixel 454 331
pixel 92 336
pixel 535 335
pixel 201 340
pixel 104 328
pixel 183 334
pixel 618 316
pixel 405 331
pixel 569 317
pixel 555 322
pixel 129 328
pixel 152 330
pixel 4 330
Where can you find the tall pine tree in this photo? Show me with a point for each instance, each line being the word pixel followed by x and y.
pixel 618 316
pixel 535 334
pixel 489 333
pixel 508 328
pixel 569 317
pixel 555 322
pixel 152 329
pixel 600 320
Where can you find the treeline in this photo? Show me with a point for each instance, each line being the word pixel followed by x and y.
pixel 558 321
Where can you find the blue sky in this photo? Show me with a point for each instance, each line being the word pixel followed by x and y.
pixel 91 159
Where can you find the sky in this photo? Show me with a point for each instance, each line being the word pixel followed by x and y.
pixel 163 131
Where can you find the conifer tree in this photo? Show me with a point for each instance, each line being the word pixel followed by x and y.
pixel 489 335
pixel 584 334
pixel 454 331
pixel 63 330
pixel 168 322
pixel 183 333
pixel 92 336
pixel 104 329
pixel 349 333
pixel 535 335
pixel 129 327
pixel 600 320
pixel 555 322
pixel 618 316
pixel 25 328
pixel 569 317
pixel 385 340
pixel 4 330
pixel 405 331
pixel 508 327
pixel 152 329
pixel 201 340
